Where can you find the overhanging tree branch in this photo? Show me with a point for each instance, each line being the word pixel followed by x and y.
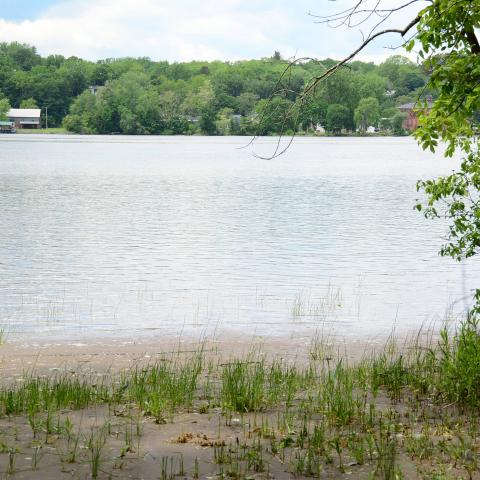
pixel 472 40
pixel 314 82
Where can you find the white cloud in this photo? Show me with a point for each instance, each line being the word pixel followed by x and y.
pixel 185 29
pixel 177 31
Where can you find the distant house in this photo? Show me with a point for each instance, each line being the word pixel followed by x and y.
pixel 411 109
pixel 94 89
pixel 25 117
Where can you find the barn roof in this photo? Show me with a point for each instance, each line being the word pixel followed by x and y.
pixel 24 112
pixel 413 105
pixel 407 106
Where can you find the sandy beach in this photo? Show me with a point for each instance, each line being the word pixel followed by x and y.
pixel 104 354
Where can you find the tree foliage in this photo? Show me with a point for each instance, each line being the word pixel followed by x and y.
pixel 141 96
pixel 448 41
pixel 367 113
pixel 339 118
pixel 4 108
pixel 28 103
pixel 397 123
pixel 275 115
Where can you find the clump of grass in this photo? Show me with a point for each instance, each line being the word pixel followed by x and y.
pixel 95 443
pixel 390 372
pixel 170 468
pixel 339 397
pixel 320 349
pixel 253 384
pixel 36 456
pixel 163 387
pixel 305 305
pixel 47 394
pixel 448 370
pixel 386 446
pixel 3 335
pixel 458 376
pixel 12 452
pixel 243 385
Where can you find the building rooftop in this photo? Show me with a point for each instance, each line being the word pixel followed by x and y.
pixel 406 106
pixel 412 105
pixel 24 112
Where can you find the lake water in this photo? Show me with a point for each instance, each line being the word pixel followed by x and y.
pixel 122 236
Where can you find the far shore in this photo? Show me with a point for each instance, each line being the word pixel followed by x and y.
pixel 63 131
pixel 43 131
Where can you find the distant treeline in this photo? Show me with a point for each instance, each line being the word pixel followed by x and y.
pixel 141 96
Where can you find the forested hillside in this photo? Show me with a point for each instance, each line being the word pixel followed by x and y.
pixel 141 96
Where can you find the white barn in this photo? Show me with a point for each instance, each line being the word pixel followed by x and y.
pixel 25 117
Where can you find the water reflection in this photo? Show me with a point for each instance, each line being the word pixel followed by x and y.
pixel 124 234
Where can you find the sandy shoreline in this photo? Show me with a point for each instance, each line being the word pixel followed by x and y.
pixel 65 406
pixel 89 355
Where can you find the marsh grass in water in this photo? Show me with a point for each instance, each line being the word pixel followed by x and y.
pixel 305 304
pixel 408 411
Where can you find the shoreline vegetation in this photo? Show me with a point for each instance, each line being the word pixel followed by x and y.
pixel 409 409
pixel 138 96
pixel 63 131
pixel 43 131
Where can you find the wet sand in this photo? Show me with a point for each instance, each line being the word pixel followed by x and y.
pixel 138 446
pixel 90 356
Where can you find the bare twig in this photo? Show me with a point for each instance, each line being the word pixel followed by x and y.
pixel 342 18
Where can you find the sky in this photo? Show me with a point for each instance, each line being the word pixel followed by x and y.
pixel 182 30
